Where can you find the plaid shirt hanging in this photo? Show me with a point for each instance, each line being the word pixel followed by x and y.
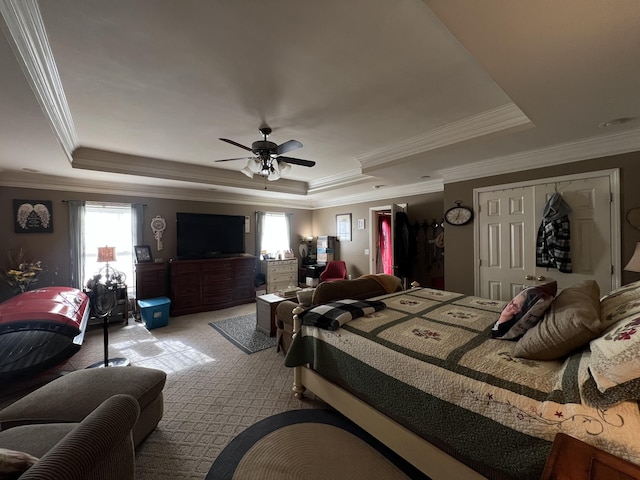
pixel 553 246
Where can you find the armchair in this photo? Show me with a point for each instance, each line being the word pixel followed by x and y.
pixel 336 270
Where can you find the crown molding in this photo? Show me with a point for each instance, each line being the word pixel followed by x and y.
pixel 349 179
pixel 114 162
pixel 65 184
pixel 31 47
pixel 384 193
pixel 615 144
pixel 495 120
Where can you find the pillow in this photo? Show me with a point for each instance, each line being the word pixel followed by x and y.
pixel 621 303
pixel 572 320
pixel 332 316
pixel 305 296
pixel 615 359
pixel 524 311
pixel 13 462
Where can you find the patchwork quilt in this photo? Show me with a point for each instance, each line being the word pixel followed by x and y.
pixel 428 361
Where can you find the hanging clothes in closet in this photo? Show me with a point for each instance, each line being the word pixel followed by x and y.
pixel 553 246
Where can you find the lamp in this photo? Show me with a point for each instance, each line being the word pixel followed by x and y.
pixel 634 263
pixel 104 298
pixel 106 255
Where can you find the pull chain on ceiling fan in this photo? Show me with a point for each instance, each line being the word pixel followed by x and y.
pixel 268 160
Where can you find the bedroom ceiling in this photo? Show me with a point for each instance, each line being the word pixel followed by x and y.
pixel 131 97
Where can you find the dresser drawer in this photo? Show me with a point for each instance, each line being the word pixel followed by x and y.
pixel 218 266
pixel 180 268
pixel 217 277
pixel 284 277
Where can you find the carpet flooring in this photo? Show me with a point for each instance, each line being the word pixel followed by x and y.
pixel 213 392
pixel 310 444
pixel 241 331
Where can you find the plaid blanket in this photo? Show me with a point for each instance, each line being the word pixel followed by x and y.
pixel 333 315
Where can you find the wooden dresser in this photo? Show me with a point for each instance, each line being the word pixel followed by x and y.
pixel 211 284
pixel 151 280
pixel 279 274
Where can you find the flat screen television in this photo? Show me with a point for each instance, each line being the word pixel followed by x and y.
pixel 205 235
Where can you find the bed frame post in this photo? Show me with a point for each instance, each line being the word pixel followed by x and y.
pixel 298 388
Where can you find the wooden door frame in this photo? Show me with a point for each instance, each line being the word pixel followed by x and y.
pixel 614 182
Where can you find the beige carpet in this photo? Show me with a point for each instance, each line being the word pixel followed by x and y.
pixel 213 392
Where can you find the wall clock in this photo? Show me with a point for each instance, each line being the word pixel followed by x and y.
pixel 458 215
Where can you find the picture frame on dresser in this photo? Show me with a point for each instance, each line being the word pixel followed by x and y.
pixel 143 254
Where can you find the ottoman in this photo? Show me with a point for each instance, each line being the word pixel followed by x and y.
pixel 70 398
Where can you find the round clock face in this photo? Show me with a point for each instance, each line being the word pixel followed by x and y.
pixel 458 215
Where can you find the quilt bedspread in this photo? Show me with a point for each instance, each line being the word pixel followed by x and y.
pixel 428 361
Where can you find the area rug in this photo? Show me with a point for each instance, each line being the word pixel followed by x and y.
pixel 241 331
pixel 310 444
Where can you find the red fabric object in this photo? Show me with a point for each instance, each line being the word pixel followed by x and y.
pixel 385 245
pixel 336 270
pixel 49 305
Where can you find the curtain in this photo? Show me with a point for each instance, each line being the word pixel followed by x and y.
pixel 137 224
pixel 288 217
pixel 259 229
pixel 76 242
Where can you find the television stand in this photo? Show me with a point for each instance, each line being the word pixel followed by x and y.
pixel 211 283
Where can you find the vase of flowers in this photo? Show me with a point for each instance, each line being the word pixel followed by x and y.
pixel 21 273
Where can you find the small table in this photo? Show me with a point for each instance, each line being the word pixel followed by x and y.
pixel 266 312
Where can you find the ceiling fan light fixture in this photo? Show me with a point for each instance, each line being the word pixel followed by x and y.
pixel 247 171
pixel 284 168
pixel 254 165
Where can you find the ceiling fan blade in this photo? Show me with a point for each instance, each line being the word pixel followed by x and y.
pixel 297 161
pixel 288 146
pixel 230 159
pixel 236 144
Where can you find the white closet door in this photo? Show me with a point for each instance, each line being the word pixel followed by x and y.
pixel 590 202
pixel 507 241
pixel 507 227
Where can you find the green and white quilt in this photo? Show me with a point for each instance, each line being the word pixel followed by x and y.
pixel 428 361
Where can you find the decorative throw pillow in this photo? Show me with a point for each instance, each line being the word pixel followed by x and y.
pixel 333 315
pixel 615 359
pixel 305 296
pixel 13 462
pixel 524 311
pixel 572 320
pixel 621 303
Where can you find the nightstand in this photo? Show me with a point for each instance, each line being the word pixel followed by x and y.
pixel 266 312
pixel 572 459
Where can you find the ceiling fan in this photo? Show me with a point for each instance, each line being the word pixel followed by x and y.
pixel 268 161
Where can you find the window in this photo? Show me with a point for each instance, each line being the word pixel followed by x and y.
pixel 108 225
pixel 275 233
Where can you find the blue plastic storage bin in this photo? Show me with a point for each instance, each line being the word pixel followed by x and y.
pixel 155 312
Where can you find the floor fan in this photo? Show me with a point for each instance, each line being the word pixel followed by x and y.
pixel 104 299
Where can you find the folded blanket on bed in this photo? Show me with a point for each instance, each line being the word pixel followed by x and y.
pixel 333 315
pixel 390 283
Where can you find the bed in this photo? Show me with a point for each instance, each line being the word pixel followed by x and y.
pixel 425 376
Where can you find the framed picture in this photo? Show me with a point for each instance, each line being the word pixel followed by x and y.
pixel 33 216
pixel 143 254
pixel 343 227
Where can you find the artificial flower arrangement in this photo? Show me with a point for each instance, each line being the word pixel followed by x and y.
pixel 21 273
